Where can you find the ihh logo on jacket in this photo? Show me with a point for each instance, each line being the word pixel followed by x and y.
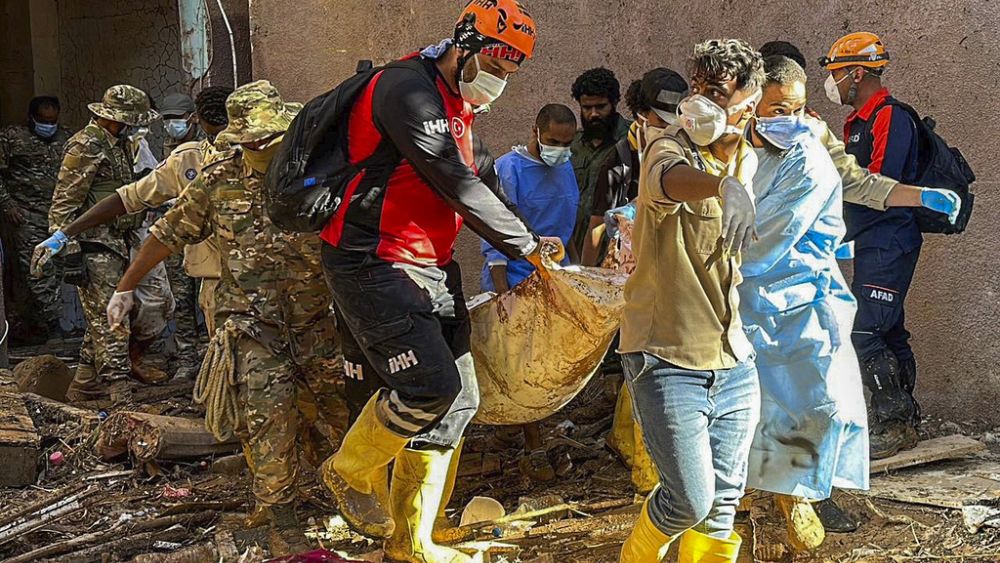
pixel 436 126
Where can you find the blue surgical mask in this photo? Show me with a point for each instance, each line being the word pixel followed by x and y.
pixel 553 156
pixel 45 130
pixel 176 128
pixel 782 131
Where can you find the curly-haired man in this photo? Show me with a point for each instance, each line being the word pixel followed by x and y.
pixel 687 362
pixel 598 92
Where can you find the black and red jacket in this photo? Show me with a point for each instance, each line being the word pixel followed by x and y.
pixel 425 130
pixel 883 138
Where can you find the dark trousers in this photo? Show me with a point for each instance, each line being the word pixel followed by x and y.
pixel 882 278
pixel 405 329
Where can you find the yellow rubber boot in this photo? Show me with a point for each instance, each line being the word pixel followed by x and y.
pixel 418 482
pixel 805 531
pixel 352 473
pixel 646 543
pixel 621 439
pixel 698 548
pixel 644 474
pixel 444 529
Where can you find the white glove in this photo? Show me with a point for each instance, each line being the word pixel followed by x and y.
pixel 119 307
pixel 738 214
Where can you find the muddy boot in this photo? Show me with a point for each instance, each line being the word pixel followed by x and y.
pixel 536 466
pixel 351 473
pixel 644 473
pixel 285 536
pixel 86 386
pixel 259 516
pixel 149 375
pixel 621 439
pixel 834 519
pixel 893 410
pixel 888 439
pixel 805 531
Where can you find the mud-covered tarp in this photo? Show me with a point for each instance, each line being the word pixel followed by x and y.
pixel 536 346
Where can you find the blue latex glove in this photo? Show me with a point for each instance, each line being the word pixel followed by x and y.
pixel 611 218
pixel 46 250
pixel 942 201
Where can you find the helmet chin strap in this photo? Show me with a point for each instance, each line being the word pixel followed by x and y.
pixel 462 61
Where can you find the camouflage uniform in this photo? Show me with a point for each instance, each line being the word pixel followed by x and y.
pixel 271 293
pixel 29 166
pixel 94 165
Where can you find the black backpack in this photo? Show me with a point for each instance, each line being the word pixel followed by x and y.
pixel 939 166
pixel 309 174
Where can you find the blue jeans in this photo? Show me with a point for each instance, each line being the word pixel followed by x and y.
pixel 698 426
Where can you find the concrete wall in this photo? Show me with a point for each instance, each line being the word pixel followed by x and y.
pixel 945 63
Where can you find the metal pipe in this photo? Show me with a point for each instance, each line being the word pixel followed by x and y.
pixel 232 42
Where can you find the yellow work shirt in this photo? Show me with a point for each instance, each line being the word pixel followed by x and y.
pixel 681 302
pixel 860 186
pixel 166 182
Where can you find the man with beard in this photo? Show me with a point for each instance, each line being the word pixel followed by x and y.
pixel 597 91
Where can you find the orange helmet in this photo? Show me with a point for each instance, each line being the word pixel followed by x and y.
pixel 498 28
pixel 856 49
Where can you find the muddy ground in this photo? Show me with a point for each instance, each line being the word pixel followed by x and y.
pixel 147 512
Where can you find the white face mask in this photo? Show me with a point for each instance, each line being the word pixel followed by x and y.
pixel 552 155
pixel 705 121
pixel 832 91
pixel 484 88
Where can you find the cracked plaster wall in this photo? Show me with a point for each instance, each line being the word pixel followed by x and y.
pixel 107 42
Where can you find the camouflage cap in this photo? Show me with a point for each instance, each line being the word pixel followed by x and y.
pixel 256 112
pixel 125 104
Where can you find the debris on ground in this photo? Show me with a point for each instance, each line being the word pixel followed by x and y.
pixel 169 495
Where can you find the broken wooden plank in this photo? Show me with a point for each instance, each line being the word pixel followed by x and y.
pixel 953 485
pixel 49 414
pixel 19 443
pixel 117 537
pixel 928 451
pixel 479 464
pixel 151 437
pixel 45 512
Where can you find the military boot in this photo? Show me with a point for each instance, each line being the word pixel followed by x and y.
pixel 890 438
pixel 893 409
pixel 285 536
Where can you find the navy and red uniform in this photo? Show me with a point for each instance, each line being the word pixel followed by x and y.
pixel 883 138
pixel 389 252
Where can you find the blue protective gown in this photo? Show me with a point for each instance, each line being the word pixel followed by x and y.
pixel 545 196
pixel 798 311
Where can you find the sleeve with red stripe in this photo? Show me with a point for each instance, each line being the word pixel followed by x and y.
pixel 892 132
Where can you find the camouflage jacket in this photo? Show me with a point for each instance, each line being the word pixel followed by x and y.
pixel 29 166
pixel 92 158
pixel 272 282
